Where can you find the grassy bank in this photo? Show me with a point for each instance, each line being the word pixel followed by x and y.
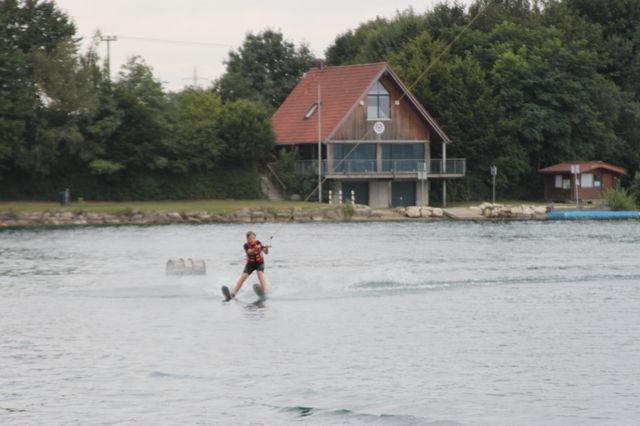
pixel 115 207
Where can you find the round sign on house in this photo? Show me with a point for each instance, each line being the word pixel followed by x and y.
pixel 378 127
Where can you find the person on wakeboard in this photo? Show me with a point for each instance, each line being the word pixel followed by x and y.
pixel 255 252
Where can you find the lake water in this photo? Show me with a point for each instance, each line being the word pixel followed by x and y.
pixel 426 323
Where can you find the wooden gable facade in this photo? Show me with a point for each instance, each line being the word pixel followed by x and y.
pixel 405 124
pixel 372 136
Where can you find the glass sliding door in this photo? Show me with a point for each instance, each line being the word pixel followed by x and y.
pixel 402 157
pixel 352 158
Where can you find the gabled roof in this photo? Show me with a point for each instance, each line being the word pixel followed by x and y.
pixel 585 167
pixel 341 88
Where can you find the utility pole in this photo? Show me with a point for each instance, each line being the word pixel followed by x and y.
pixel 109 39
pixel 319 149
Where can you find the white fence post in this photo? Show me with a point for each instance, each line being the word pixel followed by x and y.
pixel 330 197
pixel 340 196
pixel 353 197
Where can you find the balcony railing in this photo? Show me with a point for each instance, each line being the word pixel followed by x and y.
pixel 452 167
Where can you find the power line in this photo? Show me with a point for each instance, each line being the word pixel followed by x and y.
pixel 181 42
pixel 420 77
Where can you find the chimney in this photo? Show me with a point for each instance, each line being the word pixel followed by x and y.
pixel 319 63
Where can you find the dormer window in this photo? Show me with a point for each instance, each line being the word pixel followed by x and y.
pixel 378 103
pixel 313 109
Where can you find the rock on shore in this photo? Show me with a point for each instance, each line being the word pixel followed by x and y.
pixel 508 211
pixel 486 210
pixel 415 212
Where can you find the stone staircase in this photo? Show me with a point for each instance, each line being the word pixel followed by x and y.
pixel 270 189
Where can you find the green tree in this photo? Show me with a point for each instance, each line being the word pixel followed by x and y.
pixel 99 131
pixel 455 90
pixel 553 100
pixel 266 68
pixel 619 21
pixel 143 140
pixel 246 129
pixel 376 40
pixel 67 103
pixel 16 95
pixel 46 95
pixel 198 146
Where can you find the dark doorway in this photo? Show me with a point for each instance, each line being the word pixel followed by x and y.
pixel 403 194
pixel 360 189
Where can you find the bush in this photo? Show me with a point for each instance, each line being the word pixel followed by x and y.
pixel 296 183
pixel 223 183
pixel 348 210
pixel 634 189
pixel 619 199
pixel 285 166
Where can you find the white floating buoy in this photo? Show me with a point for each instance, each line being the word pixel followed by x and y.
pixel 186 267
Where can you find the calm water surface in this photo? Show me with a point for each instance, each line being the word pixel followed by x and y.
pixel 510 323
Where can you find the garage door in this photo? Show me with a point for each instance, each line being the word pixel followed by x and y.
pixel 361 190
pixel 403 194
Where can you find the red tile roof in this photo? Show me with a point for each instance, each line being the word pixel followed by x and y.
pixel 340 89
pixel 585 167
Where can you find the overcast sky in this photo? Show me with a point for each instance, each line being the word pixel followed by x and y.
pixel 226 23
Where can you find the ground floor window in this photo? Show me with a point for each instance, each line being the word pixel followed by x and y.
pixel 586 180
pixel 558 181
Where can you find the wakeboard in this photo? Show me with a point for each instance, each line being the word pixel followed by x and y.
pixel 226 293
pixel 261 295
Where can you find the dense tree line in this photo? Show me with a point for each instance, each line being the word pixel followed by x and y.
pixel 63 123
pixel 516 83
pixel 526 85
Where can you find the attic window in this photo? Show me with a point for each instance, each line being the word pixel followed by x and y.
pixel 378 107
pixel 313 109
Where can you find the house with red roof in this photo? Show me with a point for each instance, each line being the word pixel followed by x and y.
pixel 359 128
pixel 590 180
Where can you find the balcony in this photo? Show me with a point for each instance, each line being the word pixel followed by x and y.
pixel 451 168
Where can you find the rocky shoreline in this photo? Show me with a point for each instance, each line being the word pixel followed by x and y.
pixel 502 211
pixel 133 217
pixel 246 215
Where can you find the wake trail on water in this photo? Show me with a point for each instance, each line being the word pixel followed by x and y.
pixel 345 416
pixel 381 286
pixel 336 277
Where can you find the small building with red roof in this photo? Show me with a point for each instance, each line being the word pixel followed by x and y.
pixel 593 179
pixel 373 138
